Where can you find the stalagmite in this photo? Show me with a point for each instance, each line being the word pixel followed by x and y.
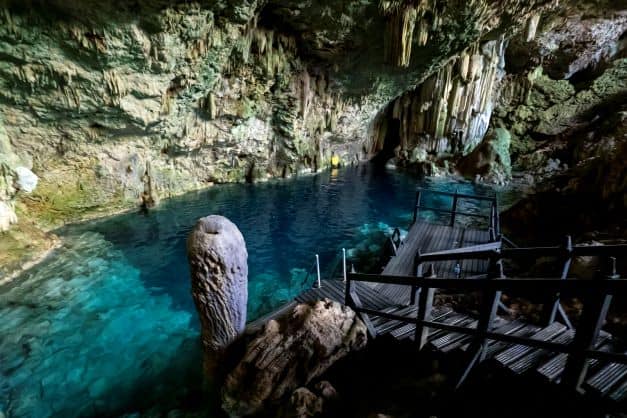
pixel 218 262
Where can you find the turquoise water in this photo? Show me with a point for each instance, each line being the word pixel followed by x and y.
pixel 106 325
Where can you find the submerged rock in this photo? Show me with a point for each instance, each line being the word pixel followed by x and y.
pixel 490 160
pixel 218 262
pixel 289 353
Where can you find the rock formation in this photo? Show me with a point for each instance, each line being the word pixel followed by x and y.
pixel 490 160
pixel 14 178
pixel 289 353
pixel 219 267
pixel 450 112
pixel 115 105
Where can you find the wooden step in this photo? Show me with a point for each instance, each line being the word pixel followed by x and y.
pixel 408 330
pixel 620 393
pixel 529 361
pixel 515 352
pixel 606 378
pixel 498 346
pixel 505 328
pixel 378 320
pixel 391 324
pixel 451 338
pixel 553 368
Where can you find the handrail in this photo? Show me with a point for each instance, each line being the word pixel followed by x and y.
pixel 495 249
pixel 476 215
pixel 472 252
pixel 524 285
pixel 459 195
pixel 492 218
pixel 508 338
pixel 577 250
pixel 596 295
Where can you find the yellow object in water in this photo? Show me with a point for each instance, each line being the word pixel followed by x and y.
pixel 335 161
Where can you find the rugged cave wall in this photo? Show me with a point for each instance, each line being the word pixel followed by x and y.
pixel 117 109
pixel 114 104
pixel 571 75
pixel 447 114
pixel 526 90
pixel 123 103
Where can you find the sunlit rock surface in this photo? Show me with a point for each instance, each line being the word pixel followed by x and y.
pixel 290 352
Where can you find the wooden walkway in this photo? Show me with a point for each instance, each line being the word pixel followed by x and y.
pixel 428 238
pixel 469 259
pixel 604 379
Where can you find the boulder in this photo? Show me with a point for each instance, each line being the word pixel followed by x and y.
pixel 26 180
pixel 218 262
pixel 289 352
pixel 490 160
pixel 7 216
pixel 302 404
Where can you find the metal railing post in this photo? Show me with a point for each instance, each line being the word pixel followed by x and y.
pixel 492 227
pixel 319 281
pixel 595 308
pixel 344 264
pixel 417 205
pixel 497 220
pixel 454 209
pixel 553 305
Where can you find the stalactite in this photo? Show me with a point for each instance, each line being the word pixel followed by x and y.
pixel 399 35
pixel 455 103
pixel 532 27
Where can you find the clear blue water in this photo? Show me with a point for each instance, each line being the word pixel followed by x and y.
pixel 106 325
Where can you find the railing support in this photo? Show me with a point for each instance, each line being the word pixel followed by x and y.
pixel 344 264
pixel 553 306
pixel 492 227
pixel 454 208
pixel 319 281
pixel 595 310
pixel 417 205
pixel 487 313
pixel 425 305
pixel 418 273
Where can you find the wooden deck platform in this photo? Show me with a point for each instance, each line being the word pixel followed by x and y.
pixel 471 258
pixel 428 238
pixel 605 379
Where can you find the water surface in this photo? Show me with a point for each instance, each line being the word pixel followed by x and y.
pixel 106 325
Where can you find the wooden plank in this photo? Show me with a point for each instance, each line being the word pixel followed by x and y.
pixel 498 346
pixel 517 351
pixel 530 360
pixel 445 342
pixel 507 328
pixel 408 329
pixel 552 369
pixel 605 379
pixel 620 393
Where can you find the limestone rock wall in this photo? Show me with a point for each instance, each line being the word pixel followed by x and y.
pixel 116 103
pixel 559 83
pixel 177 99
pixel 450 112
